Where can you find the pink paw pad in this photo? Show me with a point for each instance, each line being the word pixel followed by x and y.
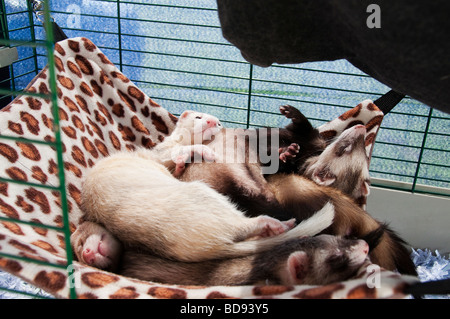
pixel 180 164
pixel 273 227
pixel 290 152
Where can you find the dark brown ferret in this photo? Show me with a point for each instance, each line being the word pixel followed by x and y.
pixel 319 260
pixel 301 196
pixel 315 260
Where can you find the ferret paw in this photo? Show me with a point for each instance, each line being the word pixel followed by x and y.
pixel 180 164
pixel 289 223
pixel 195 153
pixel 192 154
pixel 101 252
pixel 205 152
pixel 289 111
pixel 270 227
pixel 288 153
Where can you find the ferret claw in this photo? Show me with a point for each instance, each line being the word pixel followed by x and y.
pixel 291 112
pixel 289 152
pixel 284 109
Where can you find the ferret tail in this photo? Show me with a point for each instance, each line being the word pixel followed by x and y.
pixel 374 237
pixel 321 220
pixel 394 249
pixel 402 255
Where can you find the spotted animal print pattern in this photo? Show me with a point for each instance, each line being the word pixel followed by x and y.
pixel 365 113
pixel 102 112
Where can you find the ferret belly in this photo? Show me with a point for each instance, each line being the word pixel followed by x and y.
pixel 143 205
pixel 226 178
pixel 237 174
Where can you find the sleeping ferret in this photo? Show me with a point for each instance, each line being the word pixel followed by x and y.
pixel 296 148
pixel 302 196
pixel 318 260
pixel 343 164
pixel 138 200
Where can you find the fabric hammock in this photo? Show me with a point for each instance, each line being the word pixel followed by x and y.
pixel 101 111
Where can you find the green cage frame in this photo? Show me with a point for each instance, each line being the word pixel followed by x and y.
pixel 48 44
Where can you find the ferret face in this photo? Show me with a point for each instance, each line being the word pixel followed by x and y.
pixel 95 246
pixel 343 164
pixel 331 259
pixel 196 127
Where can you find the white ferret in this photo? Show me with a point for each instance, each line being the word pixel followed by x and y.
pixel 134 195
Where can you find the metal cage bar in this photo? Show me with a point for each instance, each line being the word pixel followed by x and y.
pixel 48 44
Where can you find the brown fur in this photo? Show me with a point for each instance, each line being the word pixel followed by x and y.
pixel 137 199
pixel 285 196
pixel 300 195
pixel 316 260
pixel 242 182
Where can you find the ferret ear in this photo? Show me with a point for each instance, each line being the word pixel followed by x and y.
pixel 323 176
pixel 185 113
pixel 362 189
pixel 298 266
pixel 365 188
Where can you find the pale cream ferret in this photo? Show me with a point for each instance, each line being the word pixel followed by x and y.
pixel 138 200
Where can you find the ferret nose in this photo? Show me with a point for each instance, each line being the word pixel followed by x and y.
pixel 211 123
pixel 89 256
pixel 360 128
pixel 364 247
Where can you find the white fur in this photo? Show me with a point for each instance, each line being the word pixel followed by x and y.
pixel 139 201
pixel 136 198
pixel 329 169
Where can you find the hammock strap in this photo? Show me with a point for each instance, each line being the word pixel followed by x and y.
pixel 436 287
pixel 387 102
pixel 38 8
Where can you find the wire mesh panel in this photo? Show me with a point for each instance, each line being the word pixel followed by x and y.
pixel 174 51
